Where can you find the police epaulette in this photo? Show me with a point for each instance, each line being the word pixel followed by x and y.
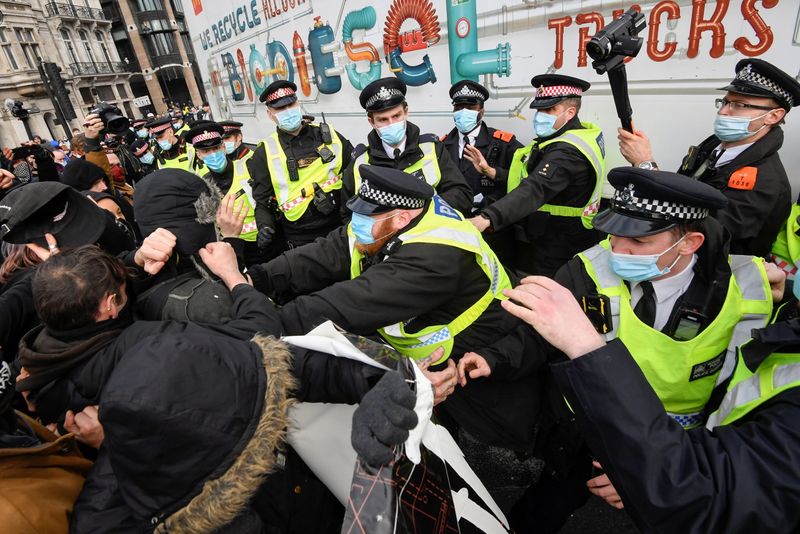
pixel 427 138
pixel 506 137
pixel 358 150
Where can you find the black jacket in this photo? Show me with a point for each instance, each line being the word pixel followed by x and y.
pixel 312 223
pixel 558 174
pixel 752 216
pixel 498 148
pixel 423 284
pixel 452 187
pixel 737 478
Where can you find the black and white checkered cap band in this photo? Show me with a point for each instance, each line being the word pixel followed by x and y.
pixel 383 198
pixel 626 199
pixel 468 93
pixel 384 93
pixel 748 75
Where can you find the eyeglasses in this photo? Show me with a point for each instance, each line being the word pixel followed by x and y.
pixel 738 106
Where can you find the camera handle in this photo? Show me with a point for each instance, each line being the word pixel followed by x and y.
pixel 618 79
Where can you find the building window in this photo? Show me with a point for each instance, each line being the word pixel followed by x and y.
pixel 102 43
pixel 149 5
pixel 105 93
pixel 65 36
pixel 121 91
pixel 160 44
pixel 30 50
pixel 86 95
pixel 12 61
pixel 177 6
pixel 87 46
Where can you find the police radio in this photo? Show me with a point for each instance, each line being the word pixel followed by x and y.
pixel 325 130
pixel 324 202
pixel 291 165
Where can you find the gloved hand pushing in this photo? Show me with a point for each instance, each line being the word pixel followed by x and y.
pixel 383 419
pixel 265 237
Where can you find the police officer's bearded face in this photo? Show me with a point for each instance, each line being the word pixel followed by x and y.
pixel 676 256
pixel 387 225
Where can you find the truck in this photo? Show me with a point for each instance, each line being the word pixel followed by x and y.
pixel 332 50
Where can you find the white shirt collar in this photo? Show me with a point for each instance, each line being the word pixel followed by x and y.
pixel 390 149
pixel 673 286
pixel 730 153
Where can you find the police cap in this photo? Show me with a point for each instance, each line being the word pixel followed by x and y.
pixel 279 94
pixel 383 94
pixel 384 189
pixel 756 77
pixel 468 92
pixel 205 134
pixel 553 88
pixel 648 202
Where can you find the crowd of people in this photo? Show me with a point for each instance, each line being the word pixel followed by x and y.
pixel 643 348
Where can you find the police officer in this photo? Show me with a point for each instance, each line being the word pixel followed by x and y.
pixel 296 172
pixel 397 143
pixel 411 268
pixel 663 284
pixel 142 151
pixel 554 184
pixel 786 248
pixel 235 148
pixel 741 158
pixel 140 128
pixel 173 152
pixel 483 154
pixel 753 436
pixel 178 124
pixel 231 177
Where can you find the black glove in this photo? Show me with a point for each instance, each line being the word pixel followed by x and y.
pixel 265 237
pixel 383 419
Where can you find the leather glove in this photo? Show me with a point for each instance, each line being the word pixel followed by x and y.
pixel 265 237
pixel 383 419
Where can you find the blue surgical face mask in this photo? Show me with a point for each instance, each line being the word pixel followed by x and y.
pixel 466 120
pixel 730 128
pixel 289 119
pixel 142 133
pixel 544 123
pixel 176 126
pixel 362 227
pixel 216 161
pixel 394 133
pixel 230 146
pixel 638 268
pixel 147 159
pixel 164 144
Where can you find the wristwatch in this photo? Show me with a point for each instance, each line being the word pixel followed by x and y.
pixel 648 165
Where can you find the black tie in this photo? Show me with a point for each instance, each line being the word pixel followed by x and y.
pixel 714 158
pixel 396 153
pixel 645 309
pixel 466 140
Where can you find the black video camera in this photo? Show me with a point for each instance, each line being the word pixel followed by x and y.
pixel 610 46
pixel 115 122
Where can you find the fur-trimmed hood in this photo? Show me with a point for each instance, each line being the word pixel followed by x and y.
pixel 193 423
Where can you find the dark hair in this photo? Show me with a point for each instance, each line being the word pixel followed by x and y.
pixel 575 102
pixel 681 229
pixel 18 257
pixel 68 287
pixel 404 104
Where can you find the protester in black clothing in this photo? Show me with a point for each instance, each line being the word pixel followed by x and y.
pixel 142 150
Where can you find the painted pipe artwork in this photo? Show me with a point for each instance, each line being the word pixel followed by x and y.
pixel 322 44
pixel 279 58
pixel 394 44
pixel 247 84
pixel 235 81
pixel 363 19
pixel 466 62
pixel 299 49
pixel 258 70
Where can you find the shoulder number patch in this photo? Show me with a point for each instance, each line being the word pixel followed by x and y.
pixel 506 137
pixel 744 179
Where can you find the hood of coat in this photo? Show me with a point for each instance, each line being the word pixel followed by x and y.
pixel 192 436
